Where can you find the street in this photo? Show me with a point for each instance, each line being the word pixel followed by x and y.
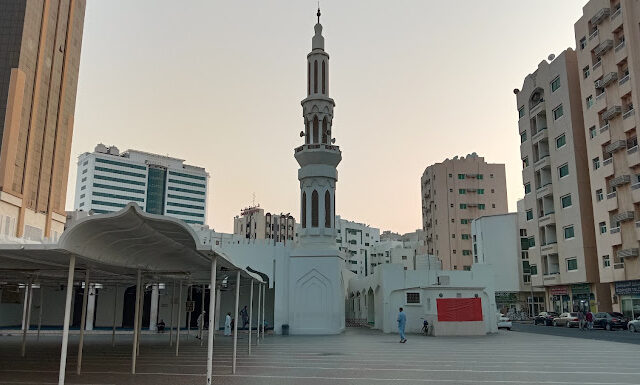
pixel 595 334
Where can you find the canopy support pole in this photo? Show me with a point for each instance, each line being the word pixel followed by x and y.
pixel 190 298
pixel 178 324
pixel 115 307
pixel 264 295
pixel 40 312
pixel 235 324
pixel 173 300
pixel 65 323
pixel 135 326
pixel 212 308
pixel 202 313
pixel 83 319
pixel 258 315
pixel 140 316
pixel 250 316
pixel 26 314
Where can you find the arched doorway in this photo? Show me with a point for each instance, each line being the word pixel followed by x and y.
pixel 371 310
pixel 129 307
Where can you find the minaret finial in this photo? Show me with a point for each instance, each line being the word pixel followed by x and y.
pixel 318 14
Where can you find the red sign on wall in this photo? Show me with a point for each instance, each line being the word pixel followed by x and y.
pixel 459 309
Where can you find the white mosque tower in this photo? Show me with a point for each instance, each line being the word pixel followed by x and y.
pixel 316 286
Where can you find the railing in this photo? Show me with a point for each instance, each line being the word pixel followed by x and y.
pixel 317 147
pixel 618 265
pixel 620 46
pixel 540 161
pixel 543 186
pixel 612 195
pixel 635 186
pixel 607 161
pixel 632 149
pixel 623 80
pixel 616 14
pixel 604 128
pixel 593 35
pixel 628 113
pixel 637 223
pixel 600 96
pixel 615 230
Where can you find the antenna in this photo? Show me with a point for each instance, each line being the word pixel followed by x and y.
pixel 254 200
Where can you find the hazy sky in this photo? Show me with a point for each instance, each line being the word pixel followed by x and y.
pixel 219 83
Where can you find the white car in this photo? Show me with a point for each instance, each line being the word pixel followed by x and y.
pixel 634 325
pixel 504 322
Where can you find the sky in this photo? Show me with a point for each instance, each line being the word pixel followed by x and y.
pixel 219 84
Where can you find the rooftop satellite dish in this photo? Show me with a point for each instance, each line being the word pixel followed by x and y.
pixel 551 57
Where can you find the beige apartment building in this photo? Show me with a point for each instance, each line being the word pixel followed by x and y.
pixel 40 43
pixel 557 200
pixel 608 53
pixel 253 223
pixel 455 192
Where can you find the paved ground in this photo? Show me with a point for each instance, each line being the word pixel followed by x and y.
pixel 360 357
pixel 595 334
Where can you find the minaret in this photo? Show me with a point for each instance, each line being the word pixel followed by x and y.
pixel 318 157
pixel 315 287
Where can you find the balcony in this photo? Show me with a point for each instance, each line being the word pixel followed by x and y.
pixel 615 236
pixel 628 253
pixel 607 80
pixel 635 192
pixel 551 279
pixel 539 106
pixel 607 168
pixel 611 203
pixel 612 112
pixel 603 48
pixel 633 156
pixel 593 35
pixel 604 128
pixel 541 134
pixel 549 248
pixel 628 114
pixel 318 153
pixel 547 218
pixel 638 230
pixel 628 121
pixel 543 162
pixel 616 146
pixel 615 19
pixel 545 190
pixel 600 16
pixel 619 181
pixel 624 216
pixel 620 52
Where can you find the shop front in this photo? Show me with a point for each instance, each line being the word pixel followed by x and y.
pixel 559 299
pixel 582 298
pixel 628 293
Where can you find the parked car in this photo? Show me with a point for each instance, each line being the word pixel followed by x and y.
pixel 634 325
pixel 609 320
pixel 504 322
pixel 545 318
pixel 566 319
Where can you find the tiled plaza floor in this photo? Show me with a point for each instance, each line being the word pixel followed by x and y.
pixel 356 357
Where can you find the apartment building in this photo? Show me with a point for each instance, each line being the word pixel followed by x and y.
pixel 455 192
pixel 557 200
pixel 40 45
pixel 608 53
pixel 253 223
pixel 355 240
pixel 108 180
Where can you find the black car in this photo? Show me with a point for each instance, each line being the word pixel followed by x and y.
pixel 609 320
pixel 545 318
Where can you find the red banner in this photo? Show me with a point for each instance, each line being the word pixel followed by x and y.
pixel 459 309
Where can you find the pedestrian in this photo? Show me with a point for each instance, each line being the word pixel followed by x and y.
pixel 227 324
pixel 245 316
pixel 200 323
pixel 160 326
pixel 589 318
pixel 581 319
pixel 402 322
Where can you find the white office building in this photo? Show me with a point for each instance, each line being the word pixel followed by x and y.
pixel 107 180
pixel 356 240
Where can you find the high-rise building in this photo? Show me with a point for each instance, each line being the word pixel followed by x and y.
pixel 253 223
pixel 40 45
pixel 455 192
pixel 608 55
pixel 107 181
pixel 557 198
pixel 356 240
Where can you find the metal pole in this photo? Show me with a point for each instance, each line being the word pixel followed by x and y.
pixel 258 315
pixel 83 319
pixel 139 326
pixel 173 299
pixel 190 298
pixel 135 326
pixel 178 324
pixel 115 307
pixel 212 308
pixel 264 309
pixel 40 313
pixel 65 323
pixel 26 314
pixel 235 324
pixel 201 331
pixel 250 315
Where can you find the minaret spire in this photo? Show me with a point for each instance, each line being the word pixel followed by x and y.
pixel 318 14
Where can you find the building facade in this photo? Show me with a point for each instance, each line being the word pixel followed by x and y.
pixel 557 198
pixel 608 55
pixel 253 223
pixel 40 46
pixel 455 192
pixel 108 180
pixel 355 240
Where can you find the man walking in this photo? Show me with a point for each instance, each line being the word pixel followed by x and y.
pixel 402 321
pixel 581 319
pixel 589 320
pixel 245 316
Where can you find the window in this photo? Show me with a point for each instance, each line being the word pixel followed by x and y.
pixel 599 195
pixel 462 191
pixel 596 163
pixel 480 176
pixel 453 220
pixel 527 188
pixel 589 101
pixel 520 112
pixel 465 236
pixel 532 242
pixel 450 190
pixel 566 201
pixel 453 235
pixel 327 195
pixel 563 170
pixel 480 191
pixel 572 264
pixel 583 42
pixel 493 205
pixel 463 205
pixel 558 112
pixel 491 176
pixel 83 187
pixel 603 227
pixel 466 252
pixel 585 72
pixel 525 162
pixel 464 221
pixel 481 206
pixel 314 209
pixel 413 298
pixel 451 205
pixel 493 191
pixel 450 175
pixel 523 137
pixel 561 141
pixel 555 84
pixel 593 132
pixel 606 262
pixel 533 269
pixel 529 215
pixel 568 232
pixel 460 176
